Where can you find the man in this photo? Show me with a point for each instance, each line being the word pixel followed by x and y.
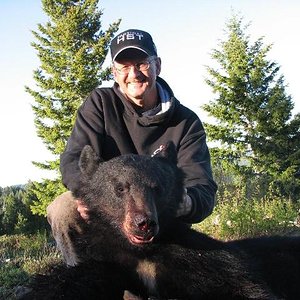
pixel 138 114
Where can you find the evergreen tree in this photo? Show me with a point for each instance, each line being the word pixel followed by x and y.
pixel 15 213
pixel 12 208
pixel 254 131
pixel 72 48
pixel 10 213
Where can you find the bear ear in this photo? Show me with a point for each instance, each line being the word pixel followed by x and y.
pixel 168 151
pixel 88 161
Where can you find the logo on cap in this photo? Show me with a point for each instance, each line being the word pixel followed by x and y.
pixel 132 39
pixel 129 35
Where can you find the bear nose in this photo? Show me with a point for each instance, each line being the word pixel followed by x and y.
pixel 144 223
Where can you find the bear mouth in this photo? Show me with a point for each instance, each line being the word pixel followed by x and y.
pixel 141 234
pixel 140 240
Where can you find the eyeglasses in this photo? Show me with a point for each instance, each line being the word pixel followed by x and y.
pixel 140 66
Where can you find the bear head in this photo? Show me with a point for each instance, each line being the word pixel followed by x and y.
pixel 136 196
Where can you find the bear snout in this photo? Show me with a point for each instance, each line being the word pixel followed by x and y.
pixel 140 228
pixel 145 223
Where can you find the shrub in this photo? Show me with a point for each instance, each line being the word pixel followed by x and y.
pixel 237 216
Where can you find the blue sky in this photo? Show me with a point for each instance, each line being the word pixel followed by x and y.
pixel 185 32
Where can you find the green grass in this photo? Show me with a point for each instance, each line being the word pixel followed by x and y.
pixel 22 256
pixel 239 218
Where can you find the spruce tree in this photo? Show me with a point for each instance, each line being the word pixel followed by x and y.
pixel 254 131
pixel 71 48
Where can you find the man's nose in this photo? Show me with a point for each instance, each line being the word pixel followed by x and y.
pixel 134 71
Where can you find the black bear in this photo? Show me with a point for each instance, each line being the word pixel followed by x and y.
pixel 135 243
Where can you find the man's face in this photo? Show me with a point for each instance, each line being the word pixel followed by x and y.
pixel 136 84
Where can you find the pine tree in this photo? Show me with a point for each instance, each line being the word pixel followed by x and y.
pixel 254 130
pixel 72 48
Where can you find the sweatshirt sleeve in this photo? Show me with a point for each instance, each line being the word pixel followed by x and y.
pixel 87 130
pixel 194 160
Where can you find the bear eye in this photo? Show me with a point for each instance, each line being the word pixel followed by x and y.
pixel 121 188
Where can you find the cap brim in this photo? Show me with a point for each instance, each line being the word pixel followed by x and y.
pixel 126 48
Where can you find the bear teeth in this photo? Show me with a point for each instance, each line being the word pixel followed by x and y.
pixel 135 239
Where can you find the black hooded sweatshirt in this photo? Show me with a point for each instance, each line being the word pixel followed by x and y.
pixel 109 123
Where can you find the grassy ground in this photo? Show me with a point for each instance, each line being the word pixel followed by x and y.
pixel 21 256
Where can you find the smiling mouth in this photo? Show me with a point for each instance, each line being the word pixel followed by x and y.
pixel 136 84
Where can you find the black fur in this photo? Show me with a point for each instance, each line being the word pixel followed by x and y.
pixel 135 243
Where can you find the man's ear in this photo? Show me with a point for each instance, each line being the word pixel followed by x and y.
pixel 158 65
pixel 88 161
pixel 114 73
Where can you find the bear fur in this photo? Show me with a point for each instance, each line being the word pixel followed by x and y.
pixel 134 242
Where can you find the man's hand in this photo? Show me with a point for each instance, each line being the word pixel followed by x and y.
pixel 82 209
pixel 185 206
